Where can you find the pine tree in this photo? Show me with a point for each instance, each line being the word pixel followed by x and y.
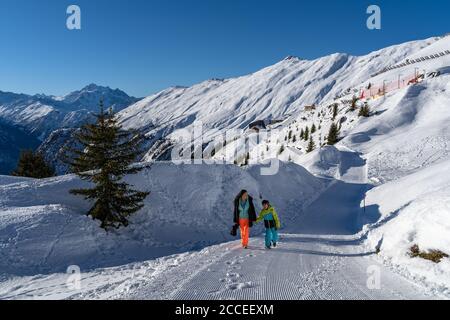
pixel 353 103
pixel 281 149
pixel 33 165
pixel 333 135
pixel 311 145
pixel 247 159
pixel 290 135
pixel 302 134
pixel 335 110
pixel 313 128
pixel 306 136
pixel 364 111
pixel 294 138
pixel 107 155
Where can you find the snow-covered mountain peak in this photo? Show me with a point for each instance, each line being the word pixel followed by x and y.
pixel 89 97
pixel 95 87
pixel 292 58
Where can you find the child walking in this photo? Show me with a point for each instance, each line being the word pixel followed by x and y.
pixel 271 222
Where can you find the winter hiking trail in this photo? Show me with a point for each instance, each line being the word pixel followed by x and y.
pixel 302 267
pixel 319 256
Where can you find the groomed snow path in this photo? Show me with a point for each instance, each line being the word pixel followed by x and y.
pixel 302 267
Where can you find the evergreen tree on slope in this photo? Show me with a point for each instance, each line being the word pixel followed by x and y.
pixel 33 165
pixel 311 145
pixel 107 155
pixel 333 134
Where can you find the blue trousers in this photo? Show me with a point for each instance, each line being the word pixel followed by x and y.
pixel 271 235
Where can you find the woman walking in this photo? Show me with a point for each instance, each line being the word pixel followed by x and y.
pixel 244 215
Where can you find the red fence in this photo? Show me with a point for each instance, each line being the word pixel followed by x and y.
pixel 374 91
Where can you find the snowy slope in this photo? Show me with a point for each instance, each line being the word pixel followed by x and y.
pixel 274 92
pixel 411 134
pixel 5 180
pixel 415 210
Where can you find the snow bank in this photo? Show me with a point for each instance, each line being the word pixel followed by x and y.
pixel 323 162
pixel 4 180
pixel 415 210
pixel 43 228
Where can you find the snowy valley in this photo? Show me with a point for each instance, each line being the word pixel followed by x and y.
pixel 346 208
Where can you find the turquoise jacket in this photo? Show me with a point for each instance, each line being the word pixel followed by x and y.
pixel 243 209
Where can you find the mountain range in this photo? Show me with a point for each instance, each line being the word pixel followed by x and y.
pixel 278 92
pixel 37 116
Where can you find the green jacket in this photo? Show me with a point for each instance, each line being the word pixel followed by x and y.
pixel 269 214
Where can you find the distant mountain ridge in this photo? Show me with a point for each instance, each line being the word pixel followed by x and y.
pixel 41 114
pixel 37 116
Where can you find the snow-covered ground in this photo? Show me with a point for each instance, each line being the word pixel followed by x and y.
pixel 43 228
pixel 384 187
pixel 321 254
pixel 304 267
pixel 322 265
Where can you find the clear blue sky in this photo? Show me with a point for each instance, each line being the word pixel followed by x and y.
pixel 142 46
